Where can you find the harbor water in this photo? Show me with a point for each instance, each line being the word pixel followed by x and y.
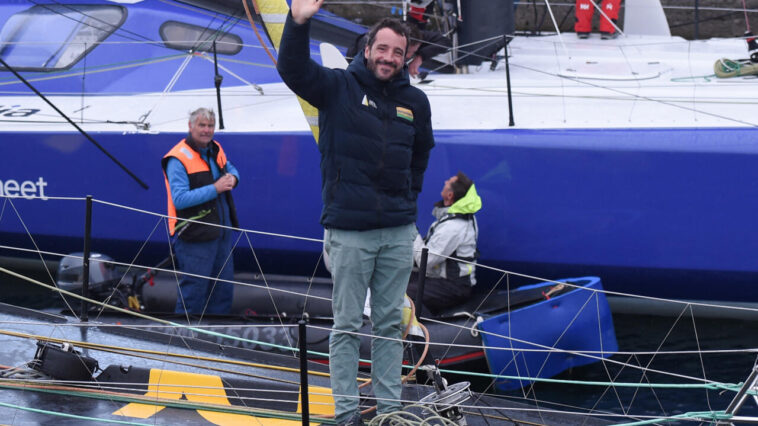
pixel 669 351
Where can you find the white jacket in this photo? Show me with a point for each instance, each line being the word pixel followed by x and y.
pixel 449 236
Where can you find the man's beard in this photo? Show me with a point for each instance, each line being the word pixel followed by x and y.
pixel 373 66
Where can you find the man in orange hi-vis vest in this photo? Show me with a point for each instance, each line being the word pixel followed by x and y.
pixel 199 183
pixel 584 11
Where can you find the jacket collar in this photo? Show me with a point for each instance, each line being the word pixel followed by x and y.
pixel 195 147
pixel 468 204
pixel 367 78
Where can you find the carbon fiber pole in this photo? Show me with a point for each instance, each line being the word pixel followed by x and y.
pixel 421 280
pixel 508 81
pixel 85 261
pixel 303 345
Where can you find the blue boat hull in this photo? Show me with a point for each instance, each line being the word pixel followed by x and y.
pixel 557 203
pixel 549 337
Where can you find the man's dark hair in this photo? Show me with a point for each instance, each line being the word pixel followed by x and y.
pixel 461 186
pixel 398 27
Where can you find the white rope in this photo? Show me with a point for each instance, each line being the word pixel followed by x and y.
pixel 606 292
pixel 258 88
pixel 36 249
pixel 169 86
pixel 271 234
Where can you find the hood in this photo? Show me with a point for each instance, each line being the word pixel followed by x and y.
pixel 366 77
pixel 469 204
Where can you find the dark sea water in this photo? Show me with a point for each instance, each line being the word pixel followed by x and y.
pixel 637 333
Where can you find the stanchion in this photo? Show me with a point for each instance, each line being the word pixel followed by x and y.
pixel 508 81
pixel 85 261
pixel 302 344
pixel 421 280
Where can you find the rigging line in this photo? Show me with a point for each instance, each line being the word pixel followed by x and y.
pixel 564 109
pixel 546 349
pixel 255 29
pixel 616 293
pixel 584 354
pixel 123 167
pixel 172 271
pixel 161 327
pixel 610 386
pixel 600 10
pixel 608 374
pixel 268 289
pixel 647 98
pixel 71 416
pixel 46 197
pixel 700 356
pixel 98 69
pixel 568 326
pixel 228 71
pixel 36 247
pixel 84 22
pixel 152 400
pixel 168 87
pixel 115 386
pixel 124 275
pixel 175 268
pixel 465 328
pixel 148 317
pixel 217 279
pixel 557 29
pixel 313 277
pixel 605 366
pixel 270 234
pixel 713 385
pixel 158 320
pixel 198 42
pixel 637 81
pixel 127 352
pixel 694 85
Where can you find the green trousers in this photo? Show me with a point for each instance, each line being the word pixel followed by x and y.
pixel 379 259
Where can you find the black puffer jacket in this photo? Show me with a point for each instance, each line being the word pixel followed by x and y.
pixel 374 139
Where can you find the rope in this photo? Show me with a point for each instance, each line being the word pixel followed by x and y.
pixel 141 399
pixel 255 30
pixel 71 416
pixel 692 415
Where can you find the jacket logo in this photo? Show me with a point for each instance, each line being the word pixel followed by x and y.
pixel 186 152
pixel 405 113
pixel 368 102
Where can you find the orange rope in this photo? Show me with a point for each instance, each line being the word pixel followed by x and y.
pixel 421 358
pixel 255 30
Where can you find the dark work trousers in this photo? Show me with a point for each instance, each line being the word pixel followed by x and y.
pixel 439 293
pixel 208 259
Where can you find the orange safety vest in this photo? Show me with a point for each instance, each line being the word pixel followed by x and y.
pixel 199 174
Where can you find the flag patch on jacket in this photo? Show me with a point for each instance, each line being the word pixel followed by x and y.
pixel 405 113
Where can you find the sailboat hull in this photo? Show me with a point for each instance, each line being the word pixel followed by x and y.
pixel 610 202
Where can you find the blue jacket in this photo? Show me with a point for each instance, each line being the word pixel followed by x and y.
pixel 374 136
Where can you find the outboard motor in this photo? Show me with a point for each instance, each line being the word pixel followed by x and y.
pixel 102 274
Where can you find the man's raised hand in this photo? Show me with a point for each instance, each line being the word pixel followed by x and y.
pixel 303 10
